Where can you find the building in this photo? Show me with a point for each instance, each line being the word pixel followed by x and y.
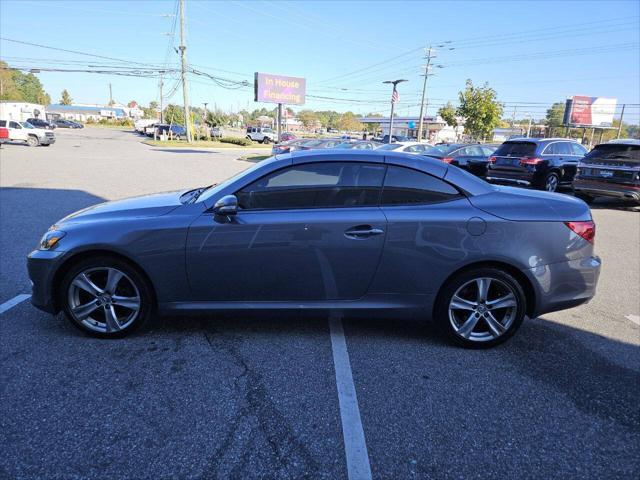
pixel 435 129
pixel 84 113
pixel 21 111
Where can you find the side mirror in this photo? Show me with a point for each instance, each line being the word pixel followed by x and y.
pixel 227 205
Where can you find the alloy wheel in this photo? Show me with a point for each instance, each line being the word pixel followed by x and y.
pixel 551 184
pixel 483 309
pixel 104 299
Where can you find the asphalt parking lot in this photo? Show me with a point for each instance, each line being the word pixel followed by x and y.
pixel 257 396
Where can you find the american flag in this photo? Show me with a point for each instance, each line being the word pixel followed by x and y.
pixel 395 97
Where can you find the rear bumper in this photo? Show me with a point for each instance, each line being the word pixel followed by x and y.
pixel 607 189
pixel 42 266
pixel 565 284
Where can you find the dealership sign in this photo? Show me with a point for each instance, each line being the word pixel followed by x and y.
pixel 279 89
pixel 589 111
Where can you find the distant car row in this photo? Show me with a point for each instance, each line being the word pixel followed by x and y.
pixel 610 169
pixel 53 124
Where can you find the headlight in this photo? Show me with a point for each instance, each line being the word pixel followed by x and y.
pixel 50 239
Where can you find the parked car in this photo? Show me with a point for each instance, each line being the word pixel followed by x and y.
pixel 39 123
pixel 406 147
pixel 288 146
pixel 4 135
pixel 62 123
pixel 141 124
pixel 610 170
pixel 541 163
pixel 470 157
pixel 395 138
pixel 286 136
pixel 27 133
pixel 358 145
pixel 172 131
pixel 261 134
pixel 150 130
pixel 319 143
pixel 217 132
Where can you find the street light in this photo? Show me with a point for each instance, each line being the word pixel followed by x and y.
pixel 394 99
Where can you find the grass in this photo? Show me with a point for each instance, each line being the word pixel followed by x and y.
pixel 199 144
pixel 254 157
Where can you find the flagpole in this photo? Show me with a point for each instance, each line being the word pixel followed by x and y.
pixel 394 99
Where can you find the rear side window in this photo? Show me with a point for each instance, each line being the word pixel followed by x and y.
pixel 3 123
pixel 558 148
pixel 315 185
pixel 516 149
pixel 404 186
pixel 578 149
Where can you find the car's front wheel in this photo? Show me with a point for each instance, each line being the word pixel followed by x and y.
pixel 33 141
pixel 106 297
pixel 480 308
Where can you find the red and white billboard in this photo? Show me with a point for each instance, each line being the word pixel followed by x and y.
pixel 590 111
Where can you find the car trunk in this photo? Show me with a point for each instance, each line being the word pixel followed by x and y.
pixel 509 155
pixel 612 163
pixel 515 204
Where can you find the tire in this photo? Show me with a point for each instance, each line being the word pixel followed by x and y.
pixel 551 182
pixel 265 140
pixel 472 324
pixel 86 284
pixel 45 145
pixel 33 141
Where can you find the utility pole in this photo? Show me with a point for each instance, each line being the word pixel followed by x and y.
pixel 394 99
pixel 529 127
pixel 185 85
pixel 620 125
pixel 110 95
pixel 429 56
pixel 161 100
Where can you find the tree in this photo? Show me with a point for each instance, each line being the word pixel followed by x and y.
pixel 8 87
pixel 308 118
pixel 349 122
pixel 480 109
pixel 373 127
pixel 217 118
pixel 555 115
pixel 65 98
pixel 448 114
pixel 174 114
pixel 15 85
pixel 153 104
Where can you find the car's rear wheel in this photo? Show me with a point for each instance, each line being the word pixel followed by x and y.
pixel 551 182
pixel 106 297
pixel 480 308
pixel 33 141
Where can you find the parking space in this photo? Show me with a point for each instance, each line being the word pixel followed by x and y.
pixel 231 396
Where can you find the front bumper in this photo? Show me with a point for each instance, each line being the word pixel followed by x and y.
pixel 607 189
pixel 47 141
pixel 565 285
pixel 42 266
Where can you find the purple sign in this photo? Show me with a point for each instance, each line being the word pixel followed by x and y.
pixel 279 89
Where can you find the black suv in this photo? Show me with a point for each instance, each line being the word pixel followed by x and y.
pixel 470 157
pixel 39 123
pixel 610 170
pixel 542 163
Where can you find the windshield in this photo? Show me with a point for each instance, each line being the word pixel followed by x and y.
pixel 516 149
pixel 213 189
pixel 613 151
pixel 26 125
pixel 390 146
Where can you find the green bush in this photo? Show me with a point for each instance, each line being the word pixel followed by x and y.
pixel 245 142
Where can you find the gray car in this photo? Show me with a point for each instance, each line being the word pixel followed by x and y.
pixel 375 231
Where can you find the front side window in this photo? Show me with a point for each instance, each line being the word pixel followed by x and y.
pixel 315 185
pixel 14 125
pixel 404 186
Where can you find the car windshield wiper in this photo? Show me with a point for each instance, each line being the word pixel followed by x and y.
pixel 199 191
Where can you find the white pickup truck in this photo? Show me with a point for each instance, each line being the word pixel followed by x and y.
pixel 25 132
pixel 261 134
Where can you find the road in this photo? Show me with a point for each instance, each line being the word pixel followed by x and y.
pixel 256 396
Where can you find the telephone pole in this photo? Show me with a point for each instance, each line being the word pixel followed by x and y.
pixel 185 85
pixel 161 101
pixel 110 95
pixel 429 56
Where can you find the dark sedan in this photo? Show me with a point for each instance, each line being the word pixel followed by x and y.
pixel 541 163
pixel 61 123
pixel 336 229
pixel 471 157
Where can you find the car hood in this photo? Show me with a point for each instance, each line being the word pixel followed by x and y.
pixel 137 207
pixel 518 204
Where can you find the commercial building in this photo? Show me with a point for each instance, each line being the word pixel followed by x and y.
pixel 435 129
pixel 94 113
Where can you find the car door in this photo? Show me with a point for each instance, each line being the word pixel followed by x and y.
pixel 574 154
pixel 426 233
pixel 307 232
pixel 16 132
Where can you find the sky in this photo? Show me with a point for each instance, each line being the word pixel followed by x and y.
pixel 531 53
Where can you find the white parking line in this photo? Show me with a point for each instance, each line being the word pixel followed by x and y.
pixel 358 467
pixel 634 318
pixel 9 304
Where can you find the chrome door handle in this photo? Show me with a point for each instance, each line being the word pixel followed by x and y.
pixel 360 232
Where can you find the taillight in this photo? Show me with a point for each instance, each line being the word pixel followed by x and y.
pixel 530 161
pixel 492 159
pixel 447 159
pixel 586 230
